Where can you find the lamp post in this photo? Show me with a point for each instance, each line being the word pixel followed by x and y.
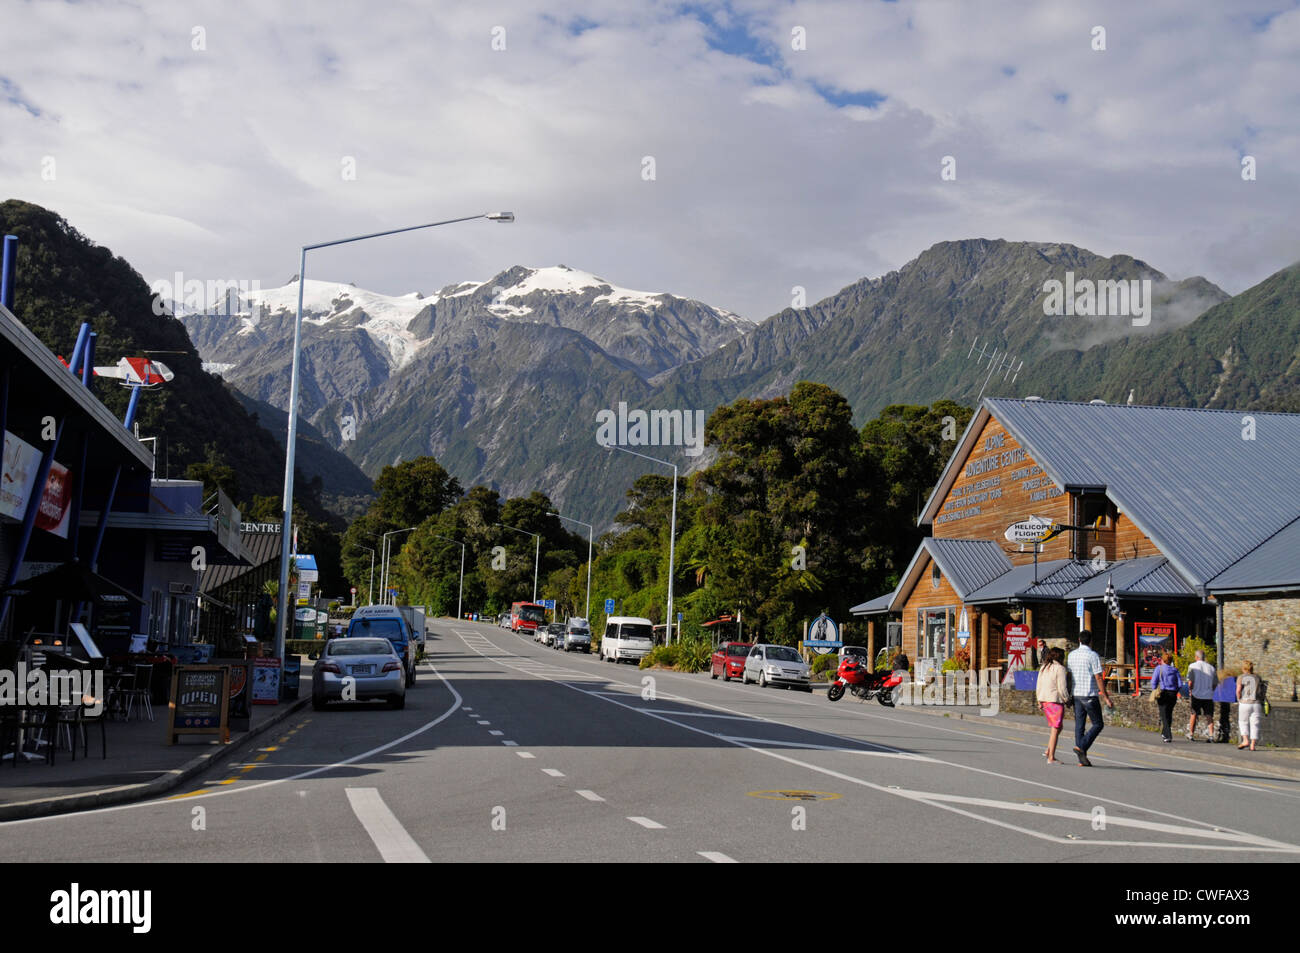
pixel 536 556
pixel 672 531
pixel 291 441
pixel 461 591
pixel 589 532
pixel 371 598
pixel 388 562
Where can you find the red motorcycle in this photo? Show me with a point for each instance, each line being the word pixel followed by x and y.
pixel 855 675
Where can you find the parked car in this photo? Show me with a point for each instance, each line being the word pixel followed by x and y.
pixel 554 634
pixel 776 665
pixel 503 620
pixel 729 660
pixel 358 669
pixel 577 635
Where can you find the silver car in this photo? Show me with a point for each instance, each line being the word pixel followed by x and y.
pixel 776 665
pixel 577 635
pixel 357 669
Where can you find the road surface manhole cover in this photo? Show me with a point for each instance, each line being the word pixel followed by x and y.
pixel 795 795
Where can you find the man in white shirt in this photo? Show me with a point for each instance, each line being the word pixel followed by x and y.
pixel 1203 680
pixel 1089 690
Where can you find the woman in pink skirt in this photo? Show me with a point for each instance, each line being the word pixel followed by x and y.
pixel 1053 694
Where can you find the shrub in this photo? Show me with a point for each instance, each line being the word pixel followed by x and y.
pixel 1187 654
pixel 959 662
pixel 665 655
pixel 695 655
pixel 822 663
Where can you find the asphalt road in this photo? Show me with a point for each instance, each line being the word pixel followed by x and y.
pixel 508 751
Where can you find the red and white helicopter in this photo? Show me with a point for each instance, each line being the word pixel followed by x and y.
pixel 137 372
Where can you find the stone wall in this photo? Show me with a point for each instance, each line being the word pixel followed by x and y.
pixel 1261 630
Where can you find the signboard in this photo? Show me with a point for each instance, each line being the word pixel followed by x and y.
pixel 266 681
pixel 963 629
pixel 227 524
pixel 305 566
pixel 609 607
pixel 200 702
pixel 21 463
pixel 823 635
pixel 1032 530
pixel 1151 640
pixel 241 684
pixel 304 590
pixel 1078 608
pixel 1016 640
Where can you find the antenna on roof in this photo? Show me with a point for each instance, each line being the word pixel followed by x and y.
pixel 1007 363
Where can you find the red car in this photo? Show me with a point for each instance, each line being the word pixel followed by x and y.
pixel 729 660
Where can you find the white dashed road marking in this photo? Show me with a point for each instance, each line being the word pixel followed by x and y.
pixel 716 857
pixel 647 823
pixel 390 837
pixel 590 795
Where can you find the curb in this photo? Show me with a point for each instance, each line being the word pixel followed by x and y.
pixel 1196 754
pixel 69 803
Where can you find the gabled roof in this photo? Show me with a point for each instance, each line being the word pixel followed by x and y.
pixel 1188 478
pixel 1068 579
pixel 968 564
pixel 871 606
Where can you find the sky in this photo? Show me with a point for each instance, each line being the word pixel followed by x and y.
pixel 731 152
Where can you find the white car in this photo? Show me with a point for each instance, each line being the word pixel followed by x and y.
pixel 776 665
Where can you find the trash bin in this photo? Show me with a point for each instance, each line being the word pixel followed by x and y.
pixel 289 676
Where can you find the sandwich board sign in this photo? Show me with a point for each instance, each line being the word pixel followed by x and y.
pixel 200 702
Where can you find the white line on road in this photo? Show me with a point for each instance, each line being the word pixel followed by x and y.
pixel 590 795
pixel 525 754
pixel 716 857
pixel 395 845
pixel 647 823
pixel 552 772
pixel 496 732
pixel 511 744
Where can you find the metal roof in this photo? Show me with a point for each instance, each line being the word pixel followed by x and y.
pixel 872 606
pixel 1274 565
pixel 1064 580
pixel 258 549
pixel 1207 486
pixel 968 563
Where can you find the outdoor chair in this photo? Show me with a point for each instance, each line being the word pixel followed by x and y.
pixel 141 691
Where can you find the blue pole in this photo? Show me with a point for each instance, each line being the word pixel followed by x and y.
pixel 103 519
pixel 7 275
pixel 88 365
pixel 79 351
pixel 131 407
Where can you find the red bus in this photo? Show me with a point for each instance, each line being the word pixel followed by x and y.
pixel 526 616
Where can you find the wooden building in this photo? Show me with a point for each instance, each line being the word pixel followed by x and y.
pixel 1191 516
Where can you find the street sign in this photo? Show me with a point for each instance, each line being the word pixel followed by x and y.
pixel 609 606
pixel 548 603
pixel 1078 608
pixel 963 629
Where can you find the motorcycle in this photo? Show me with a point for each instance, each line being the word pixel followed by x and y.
pixel 855 675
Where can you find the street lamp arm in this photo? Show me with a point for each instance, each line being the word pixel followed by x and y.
pixel 495 216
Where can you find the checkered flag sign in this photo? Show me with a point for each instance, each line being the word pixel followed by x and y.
pixel 1112 600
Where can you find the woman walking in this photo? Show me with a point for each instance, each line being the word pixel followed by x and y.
pixel 1250 707
pixel 1164 686
pixel 1053 693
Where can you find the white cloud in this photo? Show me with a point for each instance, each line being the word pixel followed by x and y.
pixel 222 162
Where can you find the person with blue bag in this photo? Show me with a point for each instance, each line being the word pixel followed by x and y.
pixel 1165 684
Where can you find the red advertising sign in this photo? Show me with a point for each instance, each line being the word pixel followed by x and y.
pixel 1017 640
pixel 1150 641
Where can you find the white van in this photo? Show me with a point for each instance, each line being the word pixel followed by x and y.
pixel 626 637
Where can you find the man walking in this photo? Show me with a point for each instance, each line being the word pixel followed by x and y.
pixel 1085 671
pixel 1203 680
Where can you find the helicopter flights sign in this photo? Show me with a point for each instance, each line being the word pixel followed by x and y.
pixel 1033 530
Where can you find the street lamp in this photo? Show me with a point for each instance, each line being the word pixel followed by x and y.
pixel 672 531
pixel 461 592
pixel 291 441
pixel 589 532
pixel 536 556
pixel 371 599
pixel 388 562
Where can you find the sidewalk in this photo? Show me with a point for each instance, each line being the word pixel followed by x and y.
pixel 140 764
pixel 1284 762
